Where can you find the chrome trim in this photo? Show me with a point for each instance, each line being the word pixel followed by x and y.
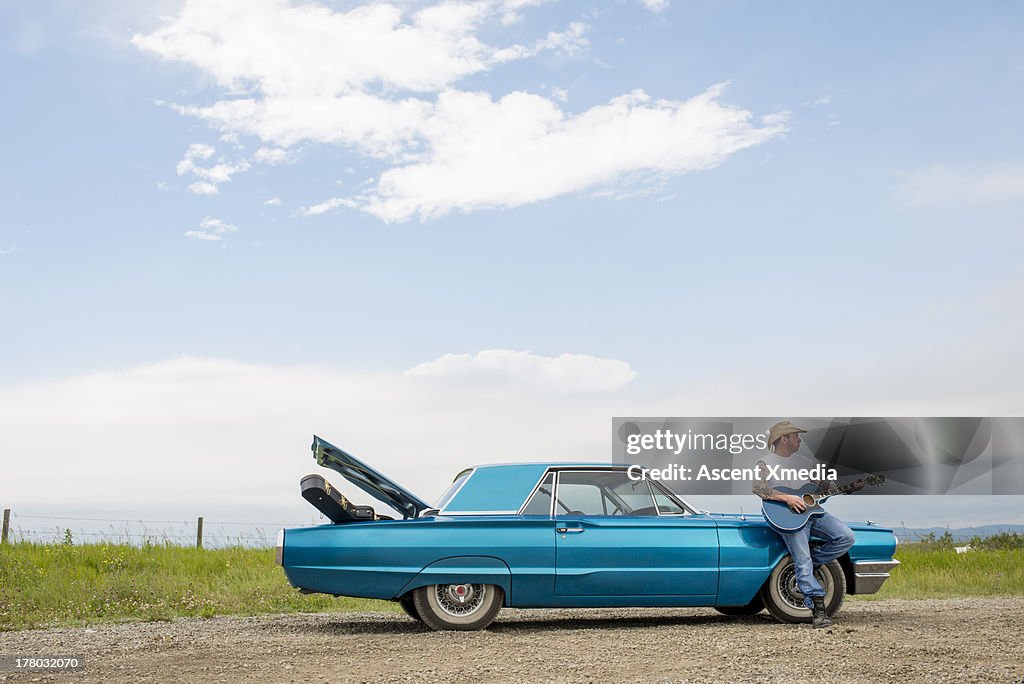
pixel 554 493
pixel 869 576
pixel 687 508
pixel 279 550
pixel 534 491
pixel 455 514
pixel 874 567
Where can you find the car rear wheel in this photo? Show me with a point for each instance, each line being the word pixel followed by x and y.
pixel 409 606
pixel 458 606
pixel 752 608
pixel 785 601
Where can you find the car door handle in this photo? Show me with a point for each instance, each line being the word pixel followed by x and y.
pixel 569 530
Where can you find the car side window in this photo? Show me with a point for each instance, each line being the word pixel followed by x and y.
pixel 540 502
pixel 583 492
pixel 666 506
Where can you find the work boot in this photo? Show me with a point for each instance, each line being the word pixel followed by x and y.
pixel 818 616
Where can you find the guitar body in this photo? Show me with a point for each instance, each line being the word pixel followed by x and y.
pixel 783 519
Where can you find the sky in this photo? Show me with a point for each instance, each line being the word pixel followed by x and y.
pixel 446 233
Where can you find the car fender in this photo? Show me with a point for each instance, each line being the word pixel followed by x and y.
pixel 463 570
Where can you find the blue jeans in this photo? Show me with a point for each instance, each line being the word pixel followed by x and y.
pixel 838 538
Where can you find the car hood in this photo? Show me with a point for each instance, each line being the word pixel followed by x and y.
pixel 375 484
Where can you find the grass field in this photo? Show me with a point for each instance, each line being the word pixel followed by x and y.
pixel 66 584
pixel 929 571
pixel 72 585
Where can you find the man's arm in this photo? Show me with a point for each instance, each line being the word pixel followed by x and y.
pixel 764 490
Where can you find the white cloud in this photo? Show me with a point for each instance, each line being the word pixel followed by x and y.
pixel 381 80
pixel 973 184
pixel 273 202
pixel 195 151
pixel 272 155
pixel 655 5
pixel 328 205
pixel 218 420
pixel 319 52
pixel 512 10
pixel 10 249
pixel 203 188
pixel 211 176
pixel 565 373
pixel 212 229
pixel 570 42
pixel 523 149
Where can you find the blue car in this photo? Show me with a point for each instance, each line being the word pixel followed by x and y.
pixel 546 535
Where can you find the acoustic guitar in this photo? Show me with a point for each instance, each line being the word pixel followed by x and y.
pixel 784 519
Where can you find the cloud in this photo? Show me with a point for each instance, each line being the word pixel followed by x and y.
pixel 971 184
pixel 512 10
pixel 272 155
pixel 211 176
pixel 211 229
pixel 565 373
pixel 523 149
pixel 203 188
pixel 328 205
pixel 9 249
pixel 221 421
pixel 655 5
pixel 320 52
pixel 570 42
pixel 381 79
pixel 195 151
pixel 272 202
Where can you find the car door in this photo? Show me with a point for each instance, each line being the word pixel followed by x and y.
pixel 612 540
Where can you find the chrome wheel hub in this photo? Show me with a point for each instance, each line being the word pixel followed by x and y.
pixel 790 592
pixel 459 600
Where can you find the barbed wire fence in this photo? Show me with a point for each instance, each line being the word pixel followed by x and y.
pixel 67 529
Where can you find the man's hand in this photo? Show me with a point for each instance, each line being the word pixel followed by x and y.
pixel 857 485
pixel 795 503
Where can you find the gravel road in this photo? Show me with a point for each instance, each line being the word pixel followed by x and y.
pixel 961 640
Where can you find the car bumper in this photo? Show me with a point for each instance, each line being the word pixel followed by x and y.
pixel 869 576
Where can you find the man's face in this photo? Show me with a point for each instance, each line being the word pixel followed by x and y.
pixel 792 441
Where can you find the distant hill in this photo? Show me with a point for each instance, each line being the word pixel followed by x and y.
pixel 958 533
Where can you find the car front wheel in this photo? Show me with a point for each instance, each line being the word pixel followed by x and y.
pixel 458 606
pixel 785 601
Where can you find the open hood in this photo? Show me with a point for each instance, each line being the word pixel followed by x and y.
pixel 366 478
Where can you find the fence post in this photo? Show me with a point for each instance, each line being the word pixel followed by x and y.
pixel 7 525
pixel 199 533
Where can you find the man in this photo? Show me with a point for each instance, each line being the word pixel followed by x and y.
pixel 783 443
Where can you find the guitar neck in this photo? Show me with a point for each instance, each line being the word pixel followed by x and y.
pixel 842 489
